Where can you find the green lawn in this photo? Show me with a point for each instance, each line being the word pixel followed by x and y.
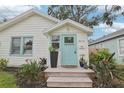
pixel 7 80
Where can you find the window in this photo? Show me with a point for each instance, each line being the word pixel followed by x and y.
pixel 55 41
pixel 69 40
pixel 27 45
pixel 55 38
pixel 22 45
pixel 16 43
pixel 121 46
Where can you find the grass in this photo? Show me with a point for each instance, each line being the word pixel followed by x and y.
pixel 7 80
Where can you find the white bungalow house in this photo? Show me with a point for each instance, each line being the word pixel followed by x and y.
pixel 42 30
pixel 29 35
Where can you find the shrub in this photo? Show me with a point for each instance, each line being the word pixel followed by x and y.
pixel 106 70
pixel 103 64
pixel 3 64
pixel 104 75
pixel 7 80
pixel 99 55
pixel 31 72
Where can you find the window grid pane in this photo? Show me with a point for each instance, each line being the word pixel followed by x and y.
pixel 16 43
pixel 69 40
pixel 55 38
pixel 27 45
pixel 55 45
pixel 55 41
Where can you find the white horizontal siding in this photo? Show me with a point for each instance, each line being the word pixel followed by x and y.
pixel 33 26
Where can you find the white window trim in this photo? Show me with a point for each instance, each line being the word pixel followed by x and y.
pixel 118 47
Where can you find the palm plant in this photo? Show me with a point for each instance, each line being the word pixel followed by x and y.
pixel 104 72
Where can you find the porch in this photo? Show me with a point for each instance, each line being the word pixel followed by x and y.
pixel 68 77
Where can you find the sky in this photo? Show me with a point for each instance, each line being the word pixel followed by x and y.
pixel 98 31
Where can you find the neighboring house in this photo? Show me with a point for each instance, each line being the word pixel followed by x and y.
pixel 29 35
pixel 114 42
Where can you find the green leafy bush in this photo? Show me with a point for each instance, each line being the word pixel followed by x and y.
pixel 31 72
pixel 7 80
pixel 99 55
pixel 3 64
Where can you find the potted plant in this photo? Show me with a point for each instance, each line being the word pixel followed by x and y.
pixel 53 57
pixel 83 63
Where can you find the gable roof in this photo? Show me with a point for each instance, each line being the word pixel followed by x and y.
pixel 108 37
pixel 72 23
pixel 26 15
pixel 58 22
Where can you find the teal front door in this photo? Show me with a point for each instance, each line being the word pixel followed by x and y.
pixel 68 50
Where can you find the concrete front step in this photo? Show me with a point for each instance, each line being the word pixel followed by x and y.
pixel 54 72
pixel 73 74
pixel 69 82
pixel 81 70
pixel 68 77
